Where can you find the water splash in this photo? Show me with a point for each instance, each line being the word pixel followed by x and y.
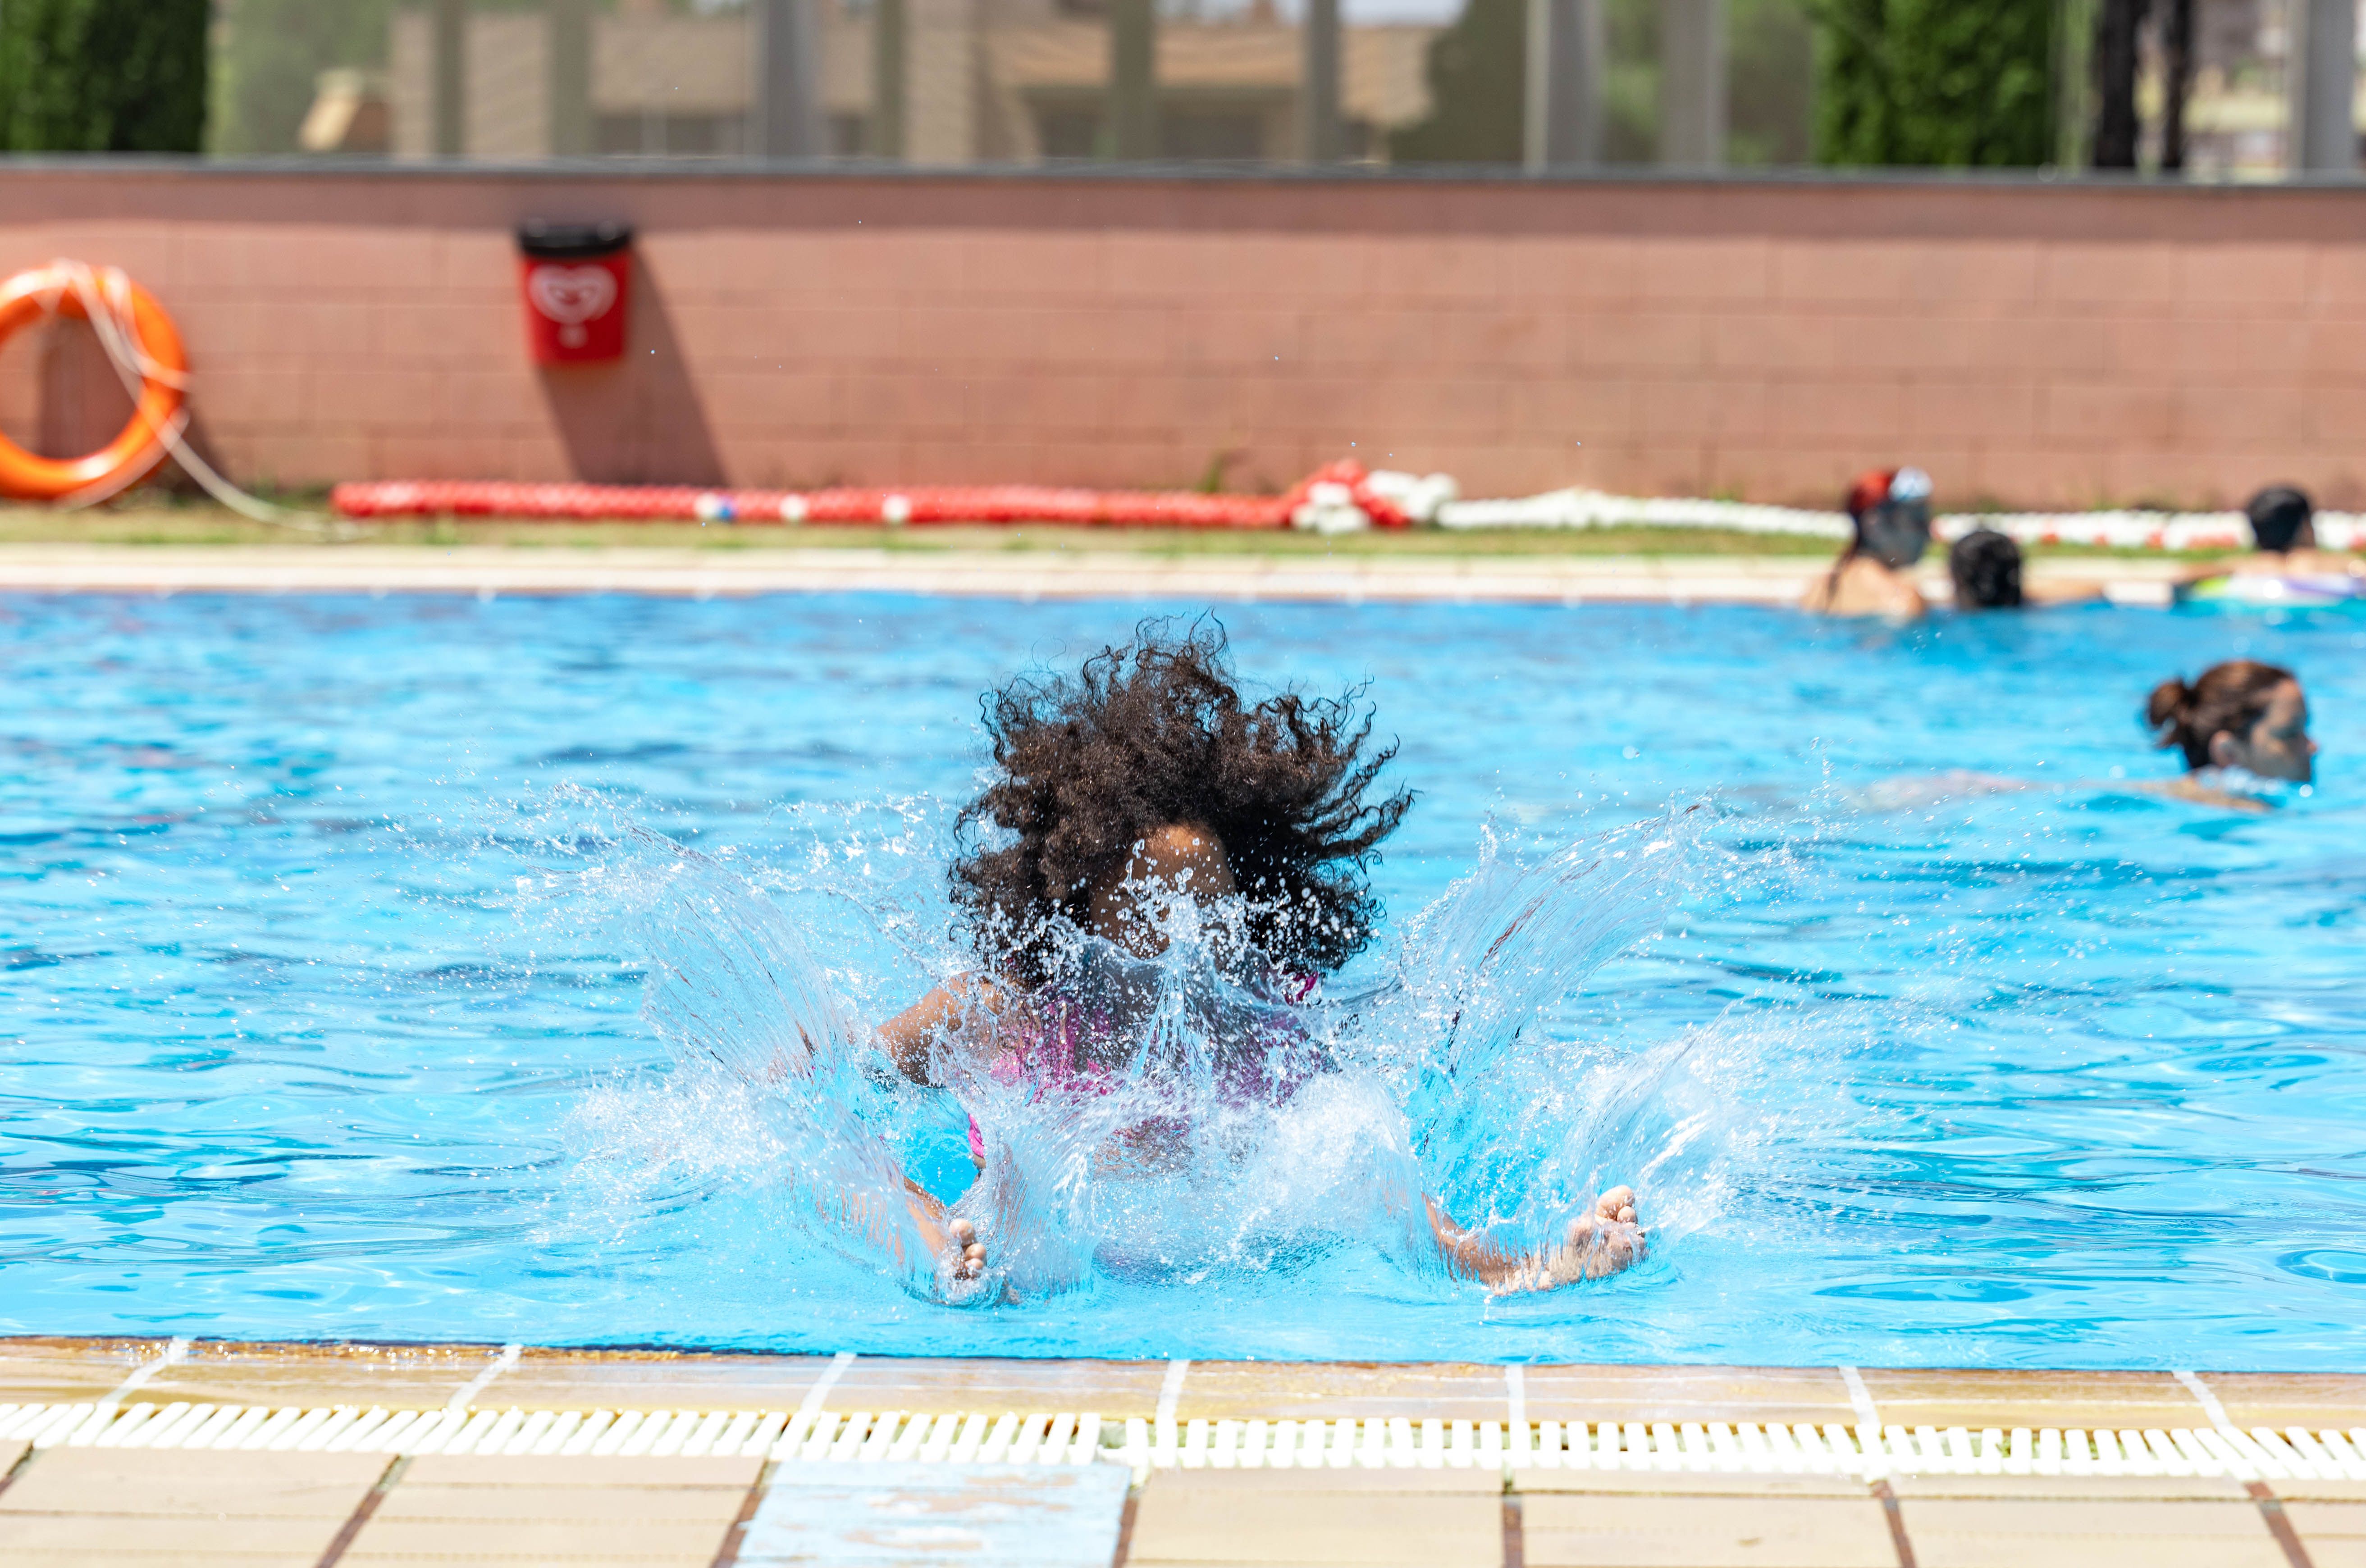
pixel 1190 1116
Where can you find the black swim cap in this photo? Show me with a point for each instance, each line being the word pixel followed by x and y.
pixel 1985 566
pixel 2277 514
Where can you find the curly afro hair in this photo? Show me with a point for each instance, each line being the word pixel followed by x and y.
pixel 1157 732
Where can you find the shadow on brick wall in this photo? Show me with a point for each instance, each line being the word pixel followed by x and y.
pixel 82 402
pixel 639 420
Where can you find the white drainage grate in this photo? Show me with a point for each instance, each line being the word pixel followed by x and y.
pixel 811 1436
pixel 1748 1448
pixel 823 1437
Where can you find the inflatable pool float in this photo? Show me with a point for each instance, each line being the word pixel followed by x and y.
pixel 2294 590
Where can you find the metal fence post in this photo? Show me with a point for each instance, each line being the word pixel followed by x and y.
pixel 1318 95
pixel 887 75
pixel 1692 83
pixel 788 99
pixel 571 127
pixel 1564 84
pixel 2321 76
pixel 450 47
pixel 1134 78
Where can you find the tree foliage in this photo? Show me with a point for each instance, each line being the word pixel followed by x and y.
pixel 1961 83
pixel 103 75
pixel 1770 82
pixel 1477 71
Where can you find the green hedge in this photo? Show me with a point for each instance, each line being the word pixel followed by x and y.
pixel 103 75
pixel 1964 83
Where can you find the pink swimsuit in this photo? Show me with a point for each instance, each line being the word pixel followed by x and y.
pixel 1054 1057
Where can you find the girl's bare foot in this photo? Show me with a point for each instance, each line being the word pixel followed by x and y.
pixel 1601 1242
pixel 960 1255
pixel 966 1253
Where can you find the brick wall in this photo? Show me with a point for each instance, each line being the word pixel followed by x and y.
pixel 2031 343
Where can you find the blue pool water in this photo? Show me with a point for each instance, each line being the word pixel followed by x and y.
pixel 329 1009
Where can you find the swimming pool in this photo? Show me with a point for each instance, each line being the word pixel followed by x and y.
pixel 318 1027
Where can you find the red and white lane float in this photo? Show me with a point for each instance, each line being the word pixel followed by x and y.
pixel 1339 497
pixel 1335 497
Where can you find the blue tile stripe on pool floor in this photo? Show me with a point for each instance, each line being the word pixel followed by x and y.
pixel 979 1516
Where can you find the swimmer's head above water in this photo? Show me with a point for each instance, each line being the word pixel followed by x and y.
pixel 1150 766
pixel 1986 567
pixel 2239 714
pixel 1892 509
pixel 1889 509
pixel 2282 520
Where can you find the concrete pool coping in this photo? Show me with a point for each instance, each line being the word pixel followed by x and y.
pixel 487 572
pixel 739 1475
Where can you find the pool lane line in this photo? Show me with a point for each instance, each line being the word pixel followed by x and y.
pixel 507 1361
pixel 103 1413
pixel 1861 1397
pixel 2279 1523
pixel 1170 1395
pixel 2271 1507
pixel 2209 1403
pixel 176 1351
pixel 727 1554
pixel 823 1384
pixel 1898 1540
pixel 342 1541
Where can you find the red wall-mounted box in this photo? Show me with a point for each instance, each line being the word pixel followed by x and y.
pixel 578 282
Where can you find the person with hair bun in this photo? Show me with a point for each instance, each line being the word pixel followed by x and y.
pixel 2241 723
pixel 1891 511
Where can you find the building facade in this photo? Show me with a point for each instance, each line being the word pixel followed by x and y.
pixel 987 81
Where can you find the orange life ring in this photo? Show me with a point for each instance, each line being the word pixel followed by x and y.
pixel 68 290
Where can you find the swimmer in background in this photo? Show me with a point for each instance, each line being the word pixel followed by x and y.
pixel 2242 721
pixel 1891 511
pixel 2242 726
pixel 2285 563
pixel 1986 568
pixel 1145 781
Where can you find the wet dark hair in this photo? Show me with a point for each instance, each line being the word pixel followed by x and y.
pixel 1155 733
pixel 2229 699
pixel 2277 514
pixel 1985 566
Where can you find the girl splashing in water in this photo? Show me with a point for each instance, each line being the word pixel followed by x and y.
pixel 1145 805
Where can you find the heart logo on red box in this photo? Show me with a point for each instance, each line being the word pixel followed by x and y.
pixel 571 296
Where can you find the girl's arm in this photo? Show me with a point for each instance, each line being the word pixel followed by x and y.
pixel 940 1015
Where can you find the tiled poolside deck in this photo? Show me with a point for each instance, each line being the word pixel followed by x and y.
pixel 149 1452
